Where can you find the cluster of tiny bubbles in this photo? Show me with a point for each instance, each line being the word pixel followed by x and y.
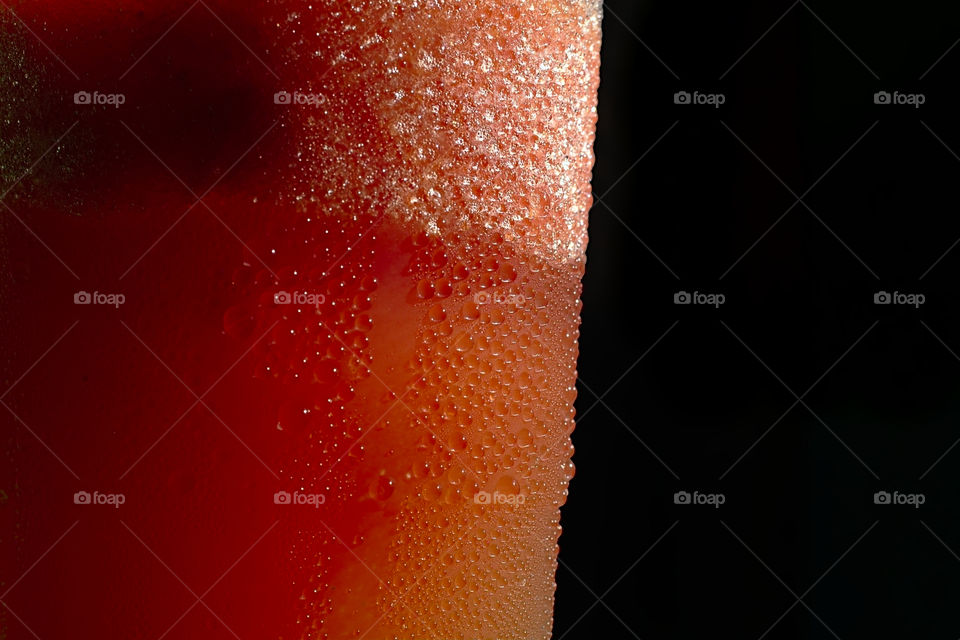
pixel 493 381
pixel 309 312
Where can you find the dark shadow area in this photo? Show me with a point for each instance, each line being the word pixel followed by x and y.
pixel 799 160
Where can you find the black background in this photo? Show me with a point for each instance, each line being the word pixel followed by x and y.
pixel 798 199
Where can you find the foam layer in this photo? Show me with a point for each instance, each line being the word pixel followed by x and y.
pixel 450 115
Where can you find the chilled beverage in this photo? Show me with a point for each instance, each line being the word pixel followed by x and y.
pixel 297 299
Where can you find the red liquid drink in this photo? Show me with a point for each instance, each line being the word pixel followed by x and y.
pixel 336 397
